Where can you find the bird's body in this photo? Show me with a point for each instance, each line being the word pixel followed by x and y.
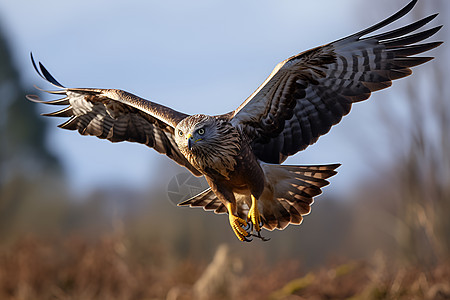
pixel 235 174
pixel 240 153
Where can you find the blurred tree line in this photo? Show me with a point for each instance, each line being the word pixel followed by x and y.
pixel 424 166
pixel 22 131
pixel 34 197
pixel 410 201
pixel 23 153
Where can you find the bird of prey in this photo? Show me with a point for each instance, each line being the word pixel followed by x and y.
pixel 240 153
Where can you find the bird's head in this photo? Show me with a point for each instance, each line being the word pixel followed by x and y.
pixel 208 143
pixel 195 132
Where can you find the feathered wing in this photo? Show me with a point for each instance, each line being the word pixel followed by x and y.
pixel 206 199
pixel 117 116
pixel 307 94
pixel 209 202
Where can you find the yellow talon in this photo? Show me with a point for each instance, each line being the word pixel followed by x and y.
pixel 237 225
pixel 254 215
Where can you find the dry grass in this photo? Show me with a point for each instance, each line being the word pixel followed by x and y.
pixel 370 280
pixel 77 269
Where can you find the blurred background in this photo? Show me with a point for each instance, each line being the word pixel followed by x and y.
pixel 81 218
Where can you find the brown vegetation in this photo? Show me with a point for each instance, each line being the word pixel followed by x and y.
pixel 106 269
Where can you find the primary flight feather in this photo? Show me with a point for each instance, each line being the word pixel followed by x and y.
pixel 240 152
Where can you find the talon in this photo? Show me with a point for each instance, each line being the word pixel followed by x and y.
pixel 264 239
pixel 248 238
pixel 248 228
pixel 237 224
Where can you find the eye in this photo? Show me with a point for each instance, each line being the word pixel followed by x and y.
pixel 201 131
pixel 180 133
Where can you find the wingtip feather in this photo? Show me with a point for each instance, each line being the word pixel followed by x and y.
pixel 400 14
pixel 49 76
pixel 65 112
pixel 44 73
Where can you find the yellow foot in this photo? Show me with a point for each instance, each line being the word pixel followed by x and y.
pixel 238 225
pixel 254 216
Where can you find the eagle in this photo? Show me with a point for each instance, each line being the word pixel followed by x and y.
pixel 240 153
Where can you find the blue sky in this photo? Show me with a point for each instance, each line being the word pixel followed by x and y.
pixel 195 56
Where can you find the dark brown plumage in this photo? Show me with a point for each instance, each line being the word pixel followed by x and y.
pixel 239 153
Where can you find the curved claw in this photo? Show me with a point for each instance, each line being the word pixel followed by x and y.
pixel 238 225
pixel 264 239
pixel 248 227
pixel 248 238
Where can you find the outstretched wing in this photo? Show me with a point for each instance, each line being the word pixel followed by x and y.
pixel 117 116
pixel 310 92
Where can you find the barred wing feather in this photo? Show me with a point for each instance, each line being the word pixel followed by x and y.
pixel 308 93
pixel 117 116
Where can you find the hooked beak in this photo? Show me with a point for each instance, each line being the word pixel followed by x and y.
pixel 191 141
